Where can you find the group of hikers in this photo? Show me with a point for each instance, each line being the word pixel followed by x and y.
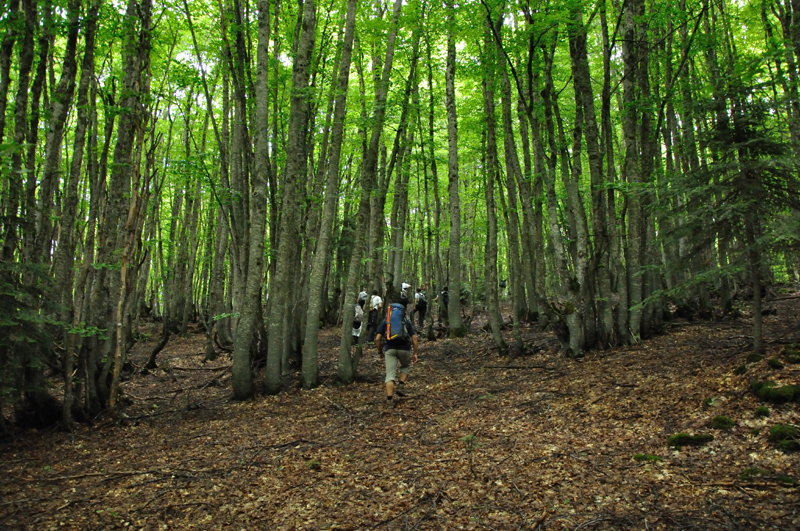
pixel 394 336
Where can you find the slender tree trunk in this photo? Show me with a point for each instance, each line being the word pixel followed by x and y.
pixel 24 65
pixel 61 103
pixel 492 167
pixel 295 171
pixel 457 327
pixel 345 368
pixel 632 170
pixel 63 262
pixel 6 58
pixel 310 373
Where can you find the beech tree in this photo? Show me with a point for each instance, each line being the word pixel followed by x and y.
pixel 242 170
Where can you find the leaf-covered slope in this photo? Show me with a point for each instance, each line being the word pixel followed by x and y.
pixel 480 443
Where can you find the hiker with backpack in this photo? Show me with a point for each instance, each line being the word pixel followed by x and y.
pixel 396 350
pixel 362 298
pixel 420 306
pixel 404 300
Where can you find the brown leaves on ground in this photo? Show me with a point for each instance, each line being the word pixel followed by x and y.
pixel 480 442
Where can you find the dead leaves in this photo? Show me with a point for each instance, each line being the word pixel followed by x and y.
pixel 480 443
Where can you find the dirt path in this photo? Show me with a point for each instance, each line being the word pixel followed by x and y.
pixel 482 442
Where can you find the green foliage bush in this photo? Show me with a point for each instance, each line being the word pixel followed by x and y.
pixel 26 321
pixel 754 357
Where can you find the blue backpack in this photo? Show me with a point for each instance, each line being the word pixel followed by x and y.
pixel 396 323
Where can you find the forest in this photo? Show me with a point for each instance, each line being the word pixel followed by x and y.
pixel 193 194
pixel 245 169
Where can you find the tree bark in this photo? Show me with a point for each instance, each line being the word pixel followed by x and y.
pixel 456 323
pixel 346 368
pixel 492 167
pixel 63 261
pixel 310 372
pixel 295 171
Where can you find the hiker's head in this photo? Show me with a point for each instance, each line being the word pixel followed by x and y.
pixel 419 290
pixel 444 288
pixel 374 292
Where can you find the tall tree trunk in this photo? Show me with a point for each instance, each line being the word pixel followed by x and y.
pixel 63 261
pixel 632 169
pixel 24 65
pixel 346 368
pixel 61 103
pixel 6 58
pixel 310 372
pixel 295 172
pixel 457 327
pixel 135 88
pixel 492 168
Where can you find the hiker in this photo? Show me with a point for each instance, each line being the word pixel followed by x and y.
pixel 362 298
pixel 358 321
pixel 396 350
pixel 375 306
pixel 420 306
pixel 404 300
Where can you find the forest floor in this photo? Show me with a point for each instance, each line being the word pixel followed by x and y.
pixel 481 442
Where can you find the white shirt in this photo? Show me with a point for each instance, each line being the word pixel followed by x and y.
pixel 362 296
pixel 375 302
pixel 405 286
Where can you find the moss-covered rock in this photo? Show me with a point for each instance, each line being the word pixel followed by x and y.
pixel 782 432
pixel 775 363
pixel 768 392
pixel 741 369
pixel 762 411
pixel 791 355
pixel 789 445
pixel 785 437
pixel 721 423
pixel 754 357
pixel 684 439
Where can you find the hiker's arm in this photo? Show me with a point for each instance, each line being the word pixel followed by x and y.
pixel 415 346
pixel 379 344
